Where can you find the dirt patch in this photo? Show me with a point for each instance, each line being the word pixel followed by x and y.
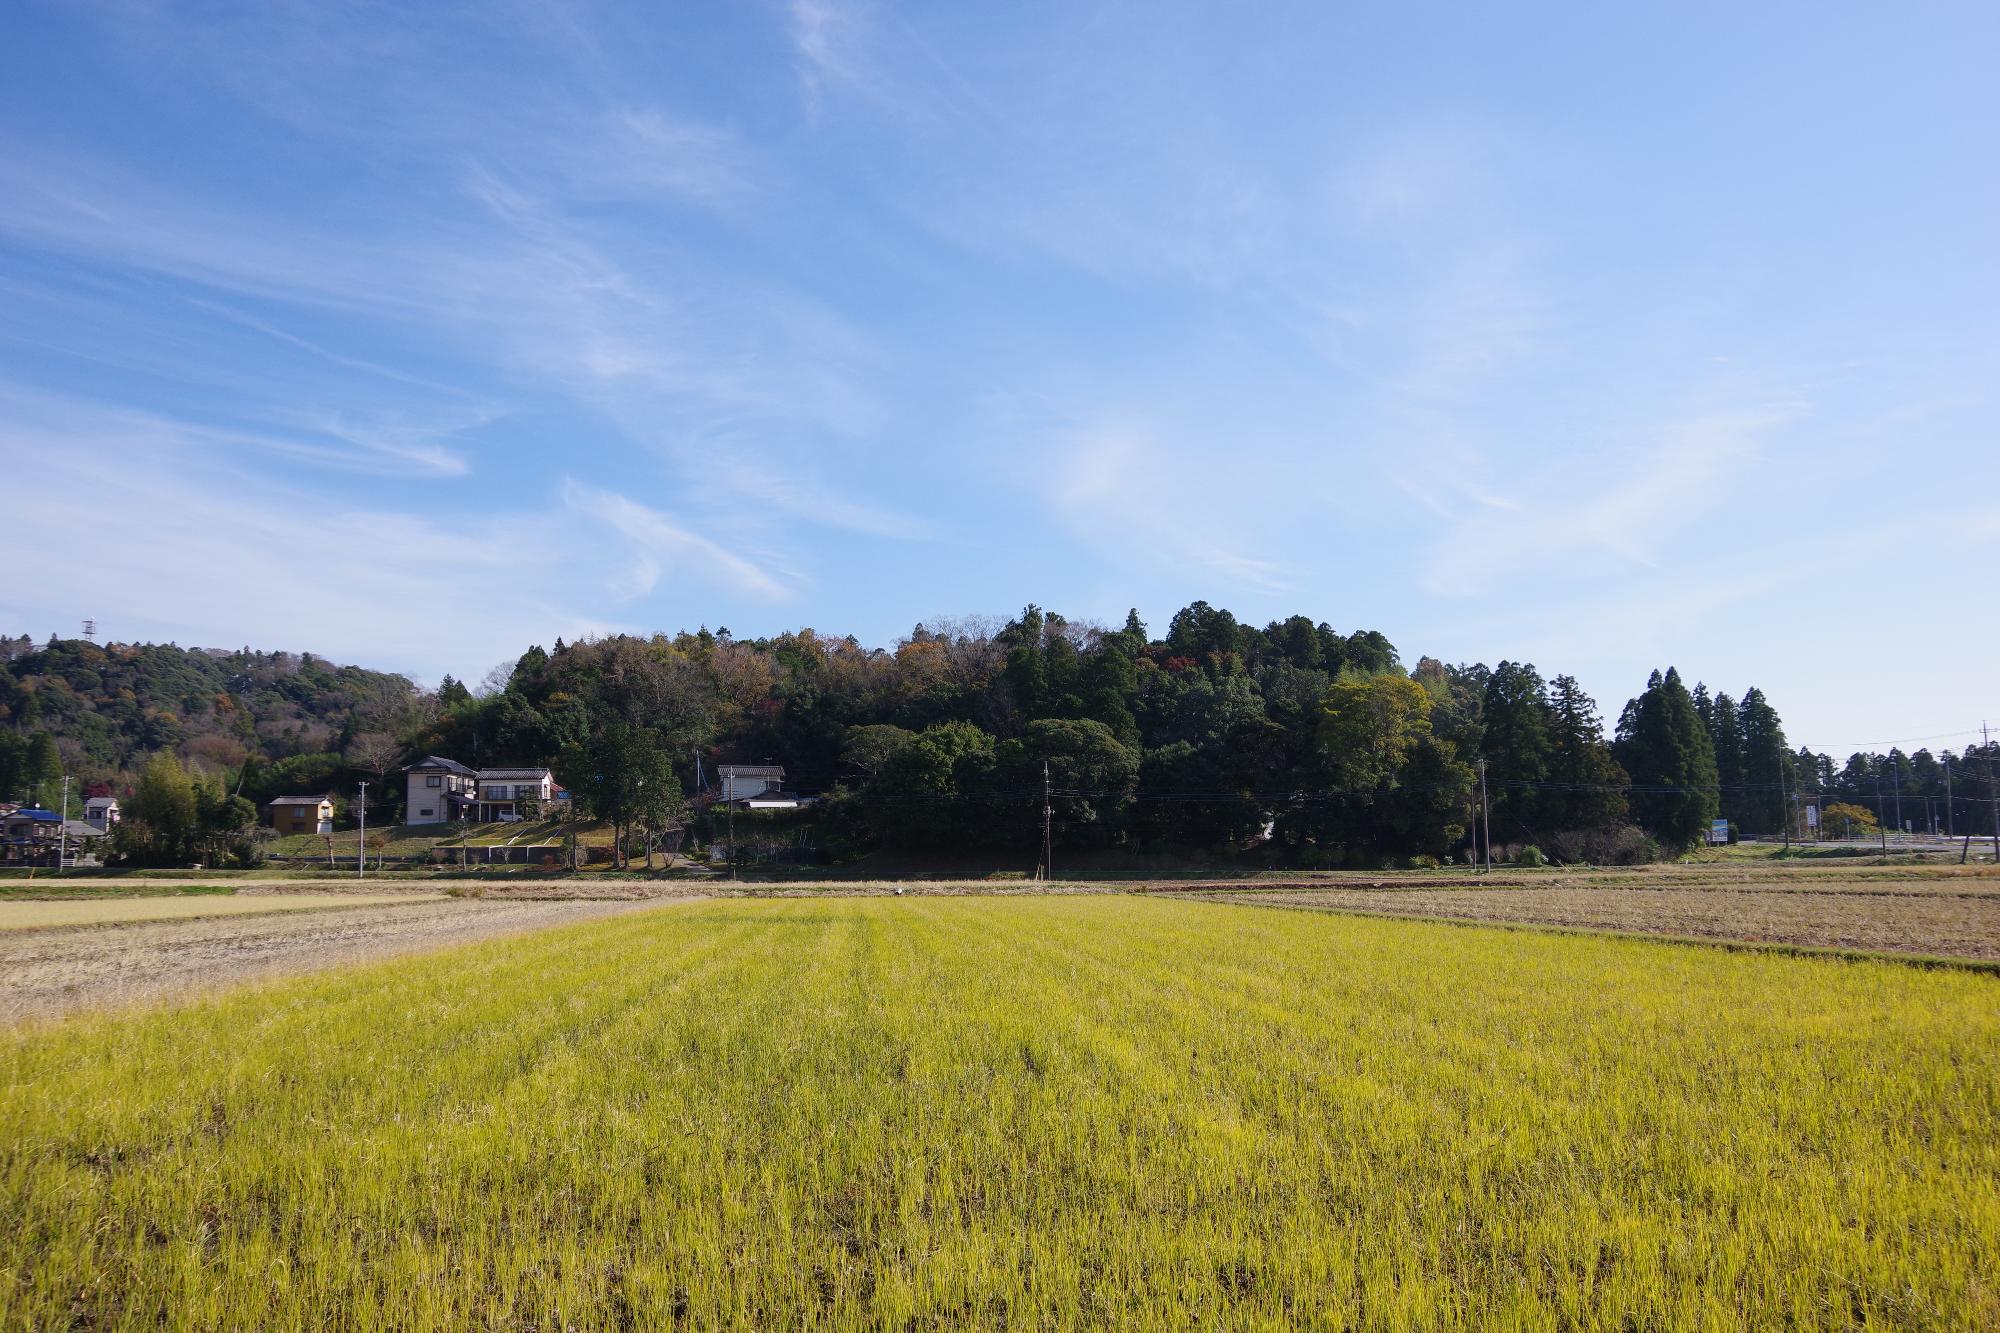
pixel 49 972
pixel 1961 925
pixel 60 914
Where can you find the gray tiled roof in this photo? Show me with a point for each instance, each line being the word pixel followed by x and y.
pixel 438 761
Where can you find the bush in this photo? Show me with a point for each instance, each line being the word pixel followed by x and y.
pixel 1624 845
pixel 1530 856
pixel 1421 862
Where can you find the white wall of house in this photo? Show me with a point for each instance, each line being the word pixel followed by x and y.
pixel 517 789
pixel 426 804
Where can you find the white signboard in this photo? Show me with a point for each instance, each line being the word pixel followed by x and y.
pixel 1812 816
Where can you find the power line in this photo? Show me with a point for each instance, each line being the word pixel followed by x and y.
pixel 1897 740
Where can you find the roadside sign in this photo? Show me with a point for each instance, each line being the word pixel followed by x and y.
pixel 1812 816
pixel 1718 831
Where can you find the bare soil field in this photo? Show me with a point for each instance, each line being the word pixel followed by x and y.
pixel 1938 916
pixel 44 973
pixel 117 911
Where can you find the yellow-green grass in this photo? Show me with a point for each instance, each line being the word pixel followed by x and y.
pixel 1022 1113
pixel 105 911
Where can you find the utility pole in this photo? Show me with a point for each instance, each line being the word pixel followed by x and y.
pixel 62 829
pixel 1881 820
pixel 361 857
pixel 1992 791
pixel 1785 802
pixel 1048 841
pixel 1947 794
pixel 1486 816
pixel 1899 791
pixel 729 809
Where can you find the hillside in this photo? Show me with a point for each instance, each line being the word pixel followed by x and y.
pixel 109 705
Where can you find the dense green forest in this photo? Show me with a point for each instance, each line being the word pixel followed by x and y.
pixel 1292 743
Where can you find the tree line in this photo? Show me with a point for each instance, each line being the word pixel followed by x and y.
pixel 1292 742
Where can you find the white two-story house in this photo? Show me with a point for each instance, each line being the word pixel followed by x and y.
pixel 443 791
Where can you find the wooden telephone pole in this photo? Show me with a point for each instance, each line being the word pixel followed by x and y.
pixel 1486 816
pixel 1991 790
pixel 1048 813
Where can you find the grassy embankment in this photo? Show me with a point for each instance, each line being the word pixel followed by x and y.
pixel 1039 1112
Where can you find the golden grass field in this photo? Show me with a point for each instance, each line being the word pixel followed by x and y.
pixel 109 911
pixel 1077 1112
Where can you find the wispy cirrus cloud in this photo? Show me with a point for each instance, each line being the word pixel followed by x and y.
pixel 683 360
pixel 1135 497
pixel 659 547
pixel 183 541
pixel 1625 498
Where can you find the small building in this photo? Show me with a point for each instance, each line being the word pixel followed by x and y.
pixel 757 787
pixel 743 782
pixel 30 833
pixel 34 836
pixel 506 793
pixel 436 786
pixel 443 790
pixel 101 812
pixel 301 814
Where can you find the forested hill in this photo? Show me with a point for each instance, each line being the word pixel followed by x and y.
pixel 108 705
pixel 1292 742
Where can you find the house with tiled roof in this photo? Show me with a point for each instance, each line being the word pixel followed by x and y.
pixel 443 791
pixel 301 814
pixel 36 836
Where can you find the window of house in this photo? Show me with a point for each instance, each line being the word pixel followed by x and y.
pixel 433 782
pixel 425 812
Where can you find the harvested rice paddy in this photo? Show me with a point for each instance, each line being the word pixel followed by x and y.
pixel 1045 1113
pixel 110 911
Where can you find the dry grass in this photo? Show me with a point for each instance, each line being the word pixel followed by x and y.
pixel 1933 918
pixel 112 911
pixel 49 972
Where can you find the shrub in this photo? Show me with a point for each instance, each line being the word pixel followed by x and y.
pixel 1422 862
pixel 1620 846
pixel 1531 856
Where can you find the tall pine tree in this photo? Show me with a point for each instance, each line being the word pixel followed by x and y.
pixel 1664 747
pixel 1765 761
pixel 1725 737
pixel 1591 794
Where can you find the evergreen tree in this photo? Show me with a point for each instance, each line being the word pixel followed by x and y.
pixel 1517 748
pixel 1663 746
pixel 13 763
pixel 1725 737
pixel 42 770
pixel 1592 791
pixel 1765 761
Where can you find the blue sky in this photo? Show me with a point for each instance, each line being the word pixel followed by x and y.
pixel 1603 337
